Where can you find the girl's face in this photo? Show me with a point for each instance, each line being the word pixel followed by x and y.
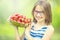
pixel 39 13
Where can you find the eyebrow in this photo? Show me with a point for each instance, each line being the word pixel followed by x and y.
pixel 38 11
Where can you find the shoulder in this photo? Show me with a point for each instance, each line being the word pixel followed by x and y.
pixel 49 32
pixel 50 28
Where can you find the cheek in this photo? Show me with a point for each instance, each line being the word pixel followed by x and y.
pixel 43 17
pixel 34 15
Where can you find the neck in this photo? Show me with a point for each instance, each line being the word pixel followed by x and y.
pixel 41 23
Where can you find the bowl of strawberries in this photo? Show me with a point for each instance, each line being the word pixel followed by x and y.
pixel 19 20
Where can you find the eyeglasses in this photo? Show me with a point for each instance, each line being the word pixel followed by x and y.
pixel 40 12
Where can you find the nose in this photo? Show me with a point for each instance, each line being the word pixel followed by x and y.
pixel 38 14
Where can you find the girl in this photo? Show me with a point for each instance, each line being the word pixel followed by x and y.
pixel 41 27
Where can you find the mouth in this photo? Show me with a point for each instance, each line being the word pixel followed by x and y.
pixel 38 18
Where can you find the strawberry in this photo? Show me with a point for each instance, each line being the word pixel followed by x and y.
pixel 16 14
pixel 19 20
pixel 29 20
pixel 26 21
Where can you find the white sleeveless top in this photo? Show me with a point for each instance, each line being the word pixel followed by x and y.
pixel 37 34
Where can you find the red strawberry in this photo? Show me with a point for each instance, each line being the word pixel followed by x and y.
pixel 13 18
pixel 24 17
pixel 16 14
pixel 20 16
pixel 29 20
pixel 20 20
pixel 26 21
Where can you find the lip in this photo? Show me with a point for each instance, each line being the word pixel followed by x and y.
pixel 37 18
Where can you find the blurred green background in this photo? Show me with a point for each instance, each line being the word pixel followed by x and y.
pixel 9 7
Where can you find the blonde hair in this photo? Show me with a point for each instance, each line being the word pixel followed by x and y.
pixel 47 9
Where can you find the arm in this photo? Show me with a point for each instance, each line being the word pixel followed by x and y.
pixel 27 31
pixel 22 37
pixel 17 34
pixel 26 28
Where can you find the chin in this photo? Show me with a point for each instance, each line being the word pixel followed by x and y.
pixel 40 20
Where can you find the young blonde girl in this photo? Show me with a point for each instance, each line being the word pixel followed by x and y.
pixel 41 27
